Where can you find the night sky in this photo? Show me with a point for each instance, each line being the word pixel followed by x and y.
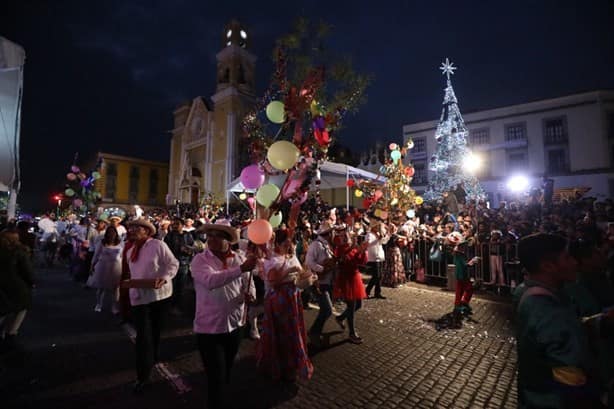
pixel 106 75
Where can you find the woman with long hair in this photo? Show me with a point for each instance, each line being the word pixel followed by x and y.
pixel 107 270
pixel 282 351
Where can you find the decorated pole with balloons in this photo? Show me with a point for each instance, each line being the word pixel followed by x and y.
pixel 80 188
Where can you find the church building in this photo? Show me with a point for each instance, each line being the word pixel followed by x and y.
pixel 205 154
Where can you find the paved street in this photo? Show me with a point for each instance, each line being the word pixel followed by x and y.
pixel 76 358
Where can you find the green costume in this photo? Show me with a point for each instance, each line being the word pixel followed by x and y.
pixel 554 359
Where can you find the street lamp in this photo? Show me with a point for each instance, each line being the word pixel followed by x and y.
pixel 518 183
pixel 472 163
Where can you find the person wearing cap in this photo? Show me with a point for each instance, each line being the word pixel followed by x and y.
pixel 153 265
pixel 321 261
pixel 464 287
pixel 222 280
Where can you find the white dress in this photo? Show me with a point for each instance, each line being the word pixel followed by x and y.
pixel 107 264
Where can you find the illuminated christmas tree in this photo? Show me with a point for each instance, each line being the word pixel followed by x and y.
pixel 453 162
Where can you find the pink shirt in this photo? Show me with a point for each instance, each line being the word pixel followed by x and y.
pixel 220 289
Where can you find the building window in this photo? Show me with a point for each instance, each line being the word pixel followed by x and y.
pixel 420 173
pixel 153 185
pixel 110 184
pixel 555 131
pixel 480 136
pixel 557 160
pixel 515 132
pixel 419 145
pixel 133 190
pixel 516 160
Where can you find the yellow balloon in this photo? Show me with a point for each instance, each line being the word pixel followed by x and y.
pixel 283 155
pixel 419 200
pixel 358 193
pixel 314 108
pixel 276 219
pixel 267 194
pixel 275 111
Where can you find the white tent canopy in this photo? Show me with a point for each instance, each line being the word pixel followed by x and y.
pixel 12 58
pixel 332 175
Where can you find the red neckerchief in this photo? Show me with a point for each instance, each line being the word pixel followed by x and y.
pixel 223 257
pixel 137 248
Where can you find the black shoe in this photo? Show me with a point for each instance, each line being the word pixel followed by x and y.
pixel 380 297
pixel 138 387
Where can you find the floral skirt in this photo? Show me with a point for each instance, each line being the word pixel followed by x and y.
pixel 394 271
pixel 282 350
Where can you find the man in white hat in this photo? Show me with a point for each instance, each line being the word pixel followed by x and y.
pixel 221 282
pixel 115 221
pixel 152 268
pixel 320 259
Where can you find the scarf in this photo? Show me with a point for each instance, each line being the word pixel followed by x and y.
pixel 137 248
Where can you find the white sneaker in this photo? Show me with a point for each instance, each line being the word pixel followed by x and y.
pixel 98 308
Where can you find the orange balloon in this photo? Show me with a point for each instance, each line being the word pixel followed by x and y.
pixel 260 231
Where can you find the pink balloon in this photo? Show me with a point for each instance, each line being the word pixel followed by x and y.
pixel 71 176
pixel 251 201
pixel 260 231
pixel 291 187
pixel 252 177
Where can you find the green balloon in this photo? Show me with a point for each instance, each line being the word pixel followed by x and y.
pixel 69 192
pixel 267 194
pixel 276 219
pixel 275 111
pixel 395 155
pixel 96 175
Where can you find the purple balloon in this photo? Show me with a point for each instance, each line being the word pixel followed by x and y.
pixel 75 169
pixel 319 123
pixel 252 177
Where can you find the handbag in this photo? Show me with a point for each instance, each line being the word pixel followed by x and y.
pixel 435 252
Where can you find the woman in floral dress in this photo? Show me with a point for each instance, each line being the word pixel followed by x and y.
pixel 394 273
pixel 282 350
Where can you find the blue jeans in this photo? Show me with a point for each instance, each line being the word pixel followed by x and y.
pixel 326 310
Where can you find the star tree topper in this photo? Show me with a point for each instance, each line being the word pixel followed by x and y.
pixel 447 68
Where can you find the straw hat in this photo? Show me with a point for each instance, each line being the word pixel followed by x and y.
pixel 115 218
pixel 222 225
pixel 143 223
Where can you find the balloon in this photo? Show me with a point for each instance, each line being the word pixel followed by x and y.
pixel 275 111
pixel 82 176
pixel 314 108
pixel 276 219
pixel 252 177
pixel 69 192
pixel 251 201
pixel 395 155
pixel 349 183
pixel 77 203
pixel 393 146
pixel 378 193
pixel 71 176
pixel 322 136
pixel 409 171
pixel 283 155
pixel 242 196
pixel 96 175
pixel 410 144
pixel 319 123
pixel 377 213
pixel 358 193
pixel 419 200
pixel 267 194
pixel 75 169
pixel 260 231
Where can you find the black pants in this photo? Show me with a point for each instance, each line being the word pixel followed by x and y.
pixel 218 352
pixel 375 269
pixel 178 285
pixel 148 322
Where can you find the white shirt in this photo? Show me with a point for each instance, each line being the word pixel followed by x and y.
pixel 155 261
pixel 279 262
pixel 375 250
pixel 47 226
pixel 220 289
pixel 318 252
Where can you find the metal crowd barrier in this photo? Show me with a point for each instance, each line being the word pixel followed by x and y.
pixel 422 266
